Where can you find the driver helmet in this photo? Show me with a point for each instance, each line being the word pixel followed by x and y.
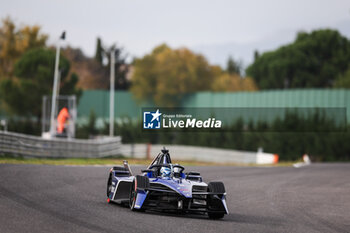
pixel 176 169
pixel 165 172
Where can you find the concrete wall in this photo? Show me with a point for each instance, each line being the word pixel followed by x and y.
pixel 33 146
pixel 194 153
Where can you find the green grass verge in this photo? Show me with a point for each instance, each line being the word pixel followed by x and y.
pixel 113 161
pixel 67 161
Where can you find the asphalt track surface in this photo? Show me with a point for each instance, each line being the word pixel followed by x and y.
pixel 43 198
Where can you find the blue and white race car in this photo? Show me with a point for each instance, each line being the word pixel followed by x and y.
pixel 164 186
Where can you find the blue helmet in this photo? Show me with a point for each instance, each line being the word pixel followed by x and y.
pixel 165 172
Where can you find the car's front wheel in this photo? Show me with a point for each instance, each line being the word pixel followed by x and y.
pixel 216 209
pixel 132 196
pixel 139 182
pixel 109 185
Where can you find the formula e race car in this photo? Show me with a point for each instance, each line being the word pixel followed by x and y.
pixel 164 186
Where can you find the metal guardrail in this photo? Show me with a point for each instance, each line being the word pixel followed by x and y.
pixel 33 146
pixel 27 145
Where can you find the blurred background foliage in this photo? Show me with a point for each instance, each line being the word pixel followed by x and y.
pixel 14 42
pixel 290 138
pixel 166 75
pixel 26 71
pixel 319 59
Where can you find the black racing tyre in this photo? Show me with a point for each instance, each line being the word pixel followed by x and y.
pixel 109 184
pixel 142 182
pixel 121 171
pixel 215 215
pixel 139 182
pixel 214 204
pixel 133 195
pixel 120 168
pixel 216 187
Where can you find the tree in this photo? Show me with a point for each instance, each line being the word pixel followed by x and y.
pixel 120 67
pixel 166 75
pixel 103 53
pixel 233 67
pixel 343 81
pixel 233 82
pixel 99 51
pixel 69 87
pixel 33 72
pixel 256 55
pixel 14 42
pixel 314 59
pixel 92 75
